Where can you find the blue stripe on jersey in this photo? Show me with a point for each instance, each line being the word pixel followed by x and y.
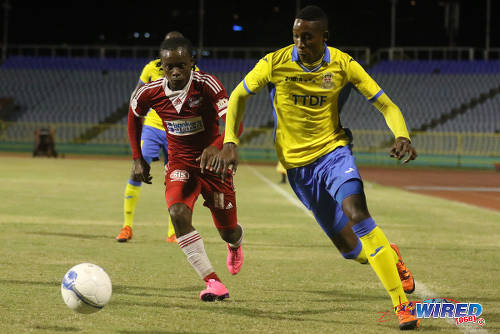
pixel 141 82
pixel 295 54
pixel 326 57
pixel 373 99
pixel 247 89
pixel 272 94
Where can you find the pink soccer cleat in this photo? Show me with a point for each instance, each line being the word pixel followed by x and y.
pixel 215 291
pixel 234 259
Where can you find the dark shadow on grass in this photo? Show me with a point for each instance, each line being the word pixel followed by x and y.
pixel 155 332
pixel 153 291
pixel 231 309
pixel 340 295
pixel 264 246
pixel 71 235
pixel 35 283
pixel 57 328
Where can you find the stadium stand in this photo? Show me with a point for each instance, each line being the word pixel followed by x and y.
pixel 424 90
pixel 81 95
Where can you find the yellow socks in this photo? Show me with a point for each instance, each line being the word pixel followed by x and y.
pixel 132 192
pixel 381 258
pixel 361 258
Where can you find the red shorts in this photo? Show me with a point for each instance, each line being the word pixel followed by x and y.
pixel 183 184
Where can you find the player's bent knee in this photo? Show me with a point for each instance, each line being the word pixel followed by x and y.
pixel 355 208
pixel 181 216
pixel 230 234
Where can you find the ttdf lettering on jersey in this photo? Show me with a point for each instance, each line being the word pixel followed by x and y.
pixel 308 100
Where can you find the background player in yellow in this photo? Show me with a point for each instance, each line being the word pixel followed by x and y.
pixel 153 140
pixel 306 80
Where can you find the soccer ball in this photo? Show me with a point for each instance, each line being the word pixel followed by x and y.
pixel 86 288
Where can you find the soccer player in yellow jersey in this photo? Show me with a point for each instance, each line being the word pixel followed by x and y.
pixel 153 140
pixel 306 79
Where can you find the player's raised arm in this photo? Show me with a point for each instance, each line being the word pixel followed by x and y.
pixel 256 79
pixel 394 119
pixel 228 156
pixel 392 114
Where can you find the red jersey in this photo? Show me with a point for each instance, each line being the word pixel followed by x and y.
pixel 190 116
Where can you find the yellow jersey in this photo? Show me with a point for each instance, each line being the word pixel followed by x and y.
pixel 305 103
pixel 151 72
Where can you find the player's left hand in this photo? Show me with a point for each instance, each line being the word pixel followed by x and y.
pixel 401 147
pixel 208 158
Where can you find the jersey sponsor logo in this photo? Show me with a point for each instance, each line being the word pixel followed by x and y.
pixel 299 79
pixel 179 175
pixel 229 206
pixel 327 82
pixel 309 100
pixel 222 103
pixel 185 127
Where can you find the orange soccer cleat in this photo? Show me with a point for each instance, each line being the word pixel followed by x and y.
pixel 404 273
pixel 406 317
pixel 125 234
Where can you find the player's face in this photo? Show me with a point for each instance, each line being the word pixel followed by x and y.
pixel 177 65
pixel 309 38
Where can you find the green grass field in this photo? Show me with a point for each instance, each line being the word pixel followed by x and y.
pixel 58 213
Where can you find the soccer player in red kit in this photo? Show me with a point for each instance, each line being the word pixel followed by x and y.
pixel 190 105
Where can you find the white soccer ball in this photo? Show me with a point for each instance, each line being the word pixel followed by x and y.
pixel 86 288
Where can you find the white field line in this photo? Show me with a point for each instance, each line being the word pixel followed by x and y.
pixel 284 193
pixel 420 289
pixel 440 188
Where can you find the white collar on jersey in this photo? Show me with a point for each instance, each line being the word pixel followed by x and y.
pixel 177 97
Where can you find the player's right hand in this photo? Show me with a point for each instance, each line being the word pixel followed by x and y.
pixel 208 158
pixel 226 160
pixel 141 170
pixel 401 147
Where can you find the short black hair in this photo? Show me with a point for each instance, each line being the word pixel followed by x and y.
pixel 312 13
pixel 177 42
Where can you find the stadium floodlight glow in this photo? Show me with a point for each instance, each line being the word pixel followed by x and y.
pixel 136 35
pixel 237 28
pixel 147 35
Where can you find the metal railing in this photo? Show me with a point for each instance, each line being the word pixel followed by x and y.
pixel 458 143
pixel 114 51
pixel 426 53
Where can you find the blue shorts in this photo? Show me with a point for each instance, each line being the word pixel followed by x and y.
pixel 316 185
pixel 152 141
